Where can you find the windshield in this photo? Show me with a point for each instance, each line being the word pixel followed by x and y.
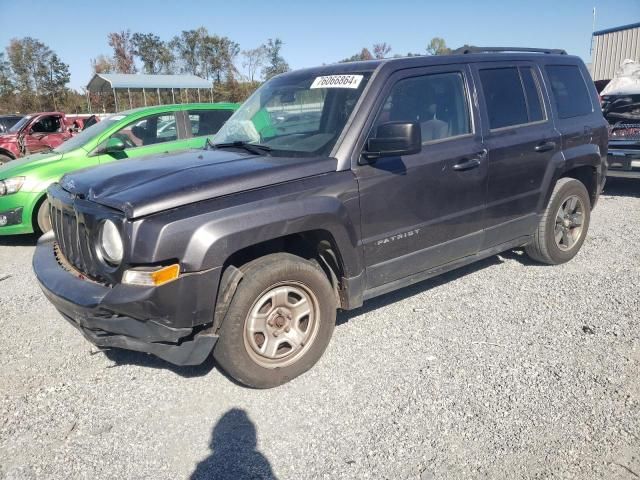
pixel 90 133
pixel 297 114
pixel 20 124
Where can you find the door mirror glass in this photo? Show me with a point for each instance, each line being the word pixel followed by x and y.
pixel 112 145
pixel 394 139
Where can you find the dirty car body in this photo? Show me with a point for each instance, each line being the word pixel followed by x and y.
pixel 381 189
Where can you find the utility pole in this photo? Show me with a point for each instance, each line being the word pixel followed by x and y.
pixel 593 29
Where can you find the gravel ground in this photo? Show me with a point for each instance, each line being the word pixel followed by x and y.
pixel 504 369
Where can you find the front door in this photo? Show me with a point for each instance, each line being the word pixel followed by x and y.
pixel 150 135
pixel 424 210
pixel 45 133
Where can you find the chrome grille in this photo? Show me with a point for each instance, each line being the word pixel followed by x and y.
pixel 73 241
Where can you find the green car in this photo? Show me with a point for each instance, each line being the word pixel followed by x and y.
pixel 129 134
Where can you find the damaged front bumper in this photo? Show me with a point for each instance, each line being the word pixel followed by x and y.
pixel 123 316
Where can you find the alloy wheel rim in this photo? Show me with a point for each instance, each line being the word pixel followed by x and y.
pixel 281 325
pixel 569 223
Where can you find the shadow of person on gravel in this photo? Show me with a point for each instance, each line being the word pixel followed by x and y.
pixel 622 187
pixel 234 455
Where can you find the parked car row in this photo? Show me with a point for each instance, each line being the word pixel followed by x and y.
pixel 131 134
pixel 329 186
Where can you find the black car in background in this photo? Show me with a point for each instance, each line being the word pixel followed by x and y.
pixel 8 121
pixel 623 114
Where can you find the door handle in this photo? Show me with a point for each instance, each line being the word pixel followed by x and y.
pixel 467 164
pixel 545 146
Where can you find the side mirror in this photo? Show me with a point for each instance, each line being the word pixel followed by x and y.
pixel 394 139
pixel 112 145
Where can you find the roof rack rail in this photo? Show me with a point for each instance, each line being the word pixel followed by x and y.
pixel 465 50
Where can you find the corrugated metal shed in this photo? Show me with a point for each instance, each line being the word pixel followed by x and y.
pixel 107 81
pixel 611 47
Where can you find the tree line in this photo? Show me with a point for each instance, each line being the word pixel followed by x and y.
pixel 34 78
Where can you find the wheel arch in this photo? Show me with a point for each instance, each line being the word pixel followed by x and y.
pixel 584 163
pixel 8 153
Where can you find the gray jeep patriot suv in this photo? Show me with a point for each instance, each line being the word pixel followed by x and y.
pixel 329 186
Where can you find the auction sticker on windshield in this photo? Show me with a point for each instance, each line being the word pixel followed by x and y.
pixel 337 81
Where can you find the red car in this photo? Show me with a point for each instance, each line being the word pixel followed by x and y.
pixel 40 132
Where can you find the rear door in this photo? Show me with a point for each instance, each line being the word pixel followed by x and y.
pixel 424 210
pixel 521 141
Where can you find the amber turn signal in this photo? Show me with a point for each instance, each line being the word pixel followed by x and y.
pixel 151 277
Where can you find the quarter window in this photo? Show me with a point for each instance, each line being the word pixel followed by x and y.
pixel 438 102
pixel 569 91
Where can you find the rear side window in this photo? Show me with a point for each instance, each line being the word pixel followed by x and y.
pixel 207 122
pixel 504 96
pixel 570 92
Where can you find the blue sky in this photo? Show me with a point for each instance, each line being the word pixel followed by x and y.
pixel 314 32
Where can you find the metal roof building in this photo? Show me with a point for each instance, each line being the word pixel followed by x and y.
pixel 113 82
pixel 611 47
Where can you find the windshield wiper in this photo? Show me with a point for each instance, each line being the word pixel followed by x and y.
pixel 255 148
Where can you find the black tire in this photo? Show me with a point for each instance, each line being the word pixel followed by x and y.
pixel 544 248
pixel 233 352
pixel 42 223
pixel 5 159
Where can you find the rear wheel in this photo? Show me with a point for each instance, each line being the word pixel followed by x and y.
pixel 4 159
pixel 279 322
pixel 43 218
pixel 564 224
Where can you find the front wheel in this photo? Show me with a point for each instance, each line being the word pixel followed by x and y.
pixel 5 159
pixel 564 224
pixel 279 322
pixel 43 218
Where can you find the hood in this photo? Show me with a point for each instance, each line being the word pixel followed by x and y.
pixel 152 184
pixel 8 137
pixel 23 165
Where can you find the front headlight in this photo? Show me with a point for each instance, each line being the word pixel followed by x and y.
pixel 11 185
pixel 110 243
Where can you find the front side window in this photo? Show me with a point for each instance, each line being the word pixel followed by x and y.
pixel 47 125
pixel 438 102
pixel 570 92
pixel 207 122
pixel 149 130
pixel 296 114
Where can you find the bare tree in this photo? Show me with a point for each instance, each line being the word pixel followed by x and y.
pixel 253 62
pixel 123 51
pixel 102 64
pixel 381 50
